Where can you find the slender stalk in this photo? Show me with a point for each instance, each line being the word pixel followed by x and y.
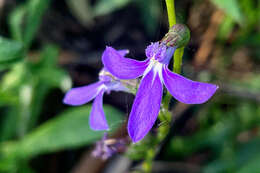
pixel 172 21
pixel 164 116
pixel 178 60
pixel 171 12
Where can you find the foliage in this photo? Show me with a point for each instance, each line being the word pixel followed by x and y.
pixel 27 79
pixel 68 130
pixel 220 136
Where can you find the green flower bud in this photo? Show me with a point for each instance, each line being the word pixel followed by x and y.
pixel 178 36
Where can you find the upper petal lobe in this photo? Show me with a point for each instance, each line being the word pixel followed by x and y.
pixel 146 106
pixel 121 67
pixel 82 95
pixel 185 90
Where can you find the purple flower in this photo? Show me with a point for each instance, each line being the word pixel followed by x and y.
pixel 155 73
pixel 82 95
pixel 106 148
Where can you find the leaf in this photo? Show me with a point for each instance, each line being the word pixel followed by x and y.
pixel 56 78
pixel 15 21
pixel 46 75
pixel 253 166
pixel 35 10
pixel 226 28
pixel 67 130
pixel 10 50
pixel 249 157
pixel 8 124
pixel 82 10
pixel 14 78
pixel 49 56
pixel 25 20
pixel 47 71
pixel 103 7
pixel 245 159
pixel 150 14
pixel 231 8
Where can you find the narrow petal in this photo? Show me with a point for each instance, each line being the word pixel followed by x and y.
pixel 97 120
pixel 185 90
pixel 121 67
pixel 82 95
pixel 146 106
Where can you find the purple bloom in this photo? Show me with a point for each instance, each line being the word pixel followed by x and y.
pixel 82 95
pixel 106 148
pixel 155 73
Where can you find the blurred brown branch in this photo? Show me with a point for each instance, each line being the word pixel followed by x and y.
pixel 2 2
pixel 161 166
pixel 89 164
pixel 208 39
pixel 239 92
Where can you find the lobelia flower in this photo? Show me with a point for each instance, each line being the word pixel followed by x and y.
pixel 155 73
pixel 82 95
pixel 107 147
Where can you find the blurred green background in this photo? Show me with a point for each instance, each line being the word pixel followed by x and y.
pixel 48 46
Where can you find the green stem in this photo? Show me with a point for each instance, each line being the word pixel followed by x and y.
pixel 171 12
pixel 178 60
pixel 172 21
pixel 164 116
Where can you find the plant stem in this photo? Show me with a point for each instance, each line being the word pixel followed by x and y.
pixel 164 116
pixel 171 12
pixel 172 21
pixel 178 60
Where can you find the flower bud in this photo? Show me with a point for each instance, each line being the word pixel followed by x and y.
pixel 178 36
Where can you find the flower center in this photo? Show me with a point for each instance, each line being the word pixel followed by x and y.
pixel 154 65
pixel 160 52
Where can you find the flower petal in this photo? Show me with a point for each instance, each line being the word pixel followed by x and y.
pixel 97 120
pixel 82 95
pixel 185 90
pixel 146 106
pixel 121 67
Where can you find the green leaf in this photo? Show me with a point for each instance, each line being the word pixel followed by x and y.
pixel 49 56
pixel 67 130
pixel 104 7
pixel 82 10
pixel 14 78
pixel 8 124
pixel 10 50
pixel 226 28
pixel 231 8
pixel 150 14
pixel 47 70
pixel 252 166
pixel 25 20
pixel 35 11
pixel 46 75
pixel 242 159
pixel 56 78
pixel 15 22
